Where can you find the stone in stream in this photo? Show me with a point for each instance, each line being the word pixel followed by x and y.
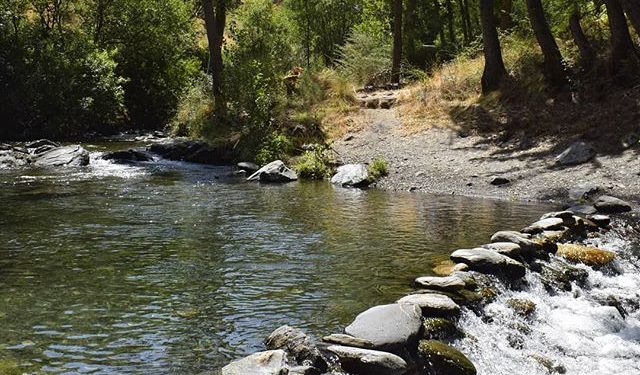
pixel 602 221
pixel 298 345
pixel 346 340
pixel 67 156
pixel 392 328
pixel 127 156
pixel 275 171
pixel 487 261
pixel 565 215
pixel 509 249
pixel 440 329
pixel 442 359
pixel 557 274
pixel 248 167
pixel 447 267
pixel 611 205
pixel 522 307
pixel 528 248
pixel 446 283
pixel 499 181
pixel 432 304
pixel 582 209
pixel 577 153
pixel 552 223
pixel 304 370
pixel 351 175
pixel 359 361
pixel 271 362
pixel 590 256
pixel 194 151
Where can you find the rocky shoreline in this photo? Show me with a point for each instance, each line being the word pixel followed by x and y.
pixel 417 334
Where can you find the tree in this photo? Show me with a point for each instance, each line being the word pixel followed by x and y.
pixel 553 62
pixel 494 70
pixel 215 16
pixel 587 53
pixel 622 49
pixel 397 41
pixel 506 20
pixel 632 9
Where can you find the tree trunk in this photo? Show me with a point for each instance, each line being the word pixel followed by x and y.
pixel 463 21
pixel 410 32
pixel 450 20
pixel 553 63
pixel 494 70
pixel 397 41
pixel 587 53
pixel 215 20
pixel 506 20
pixel 622 49
pixel 632 9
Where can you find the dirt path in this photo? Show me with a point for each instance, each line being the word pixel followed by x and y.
pixel 442 161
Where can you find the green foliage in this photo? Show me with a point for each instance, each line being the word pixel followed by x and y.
pixel 378 169
pixel 366 58
pixel 277 147
pixel 194 114
pixel 313 164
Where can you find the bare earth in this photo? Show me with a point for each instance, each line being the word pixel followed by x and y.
pixel 441 161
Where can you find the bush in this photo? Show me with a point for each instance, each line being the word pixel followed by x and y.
pixel 277 147
pixel 378 169
pixel 193 116
pixel 313 164
pixel 366 58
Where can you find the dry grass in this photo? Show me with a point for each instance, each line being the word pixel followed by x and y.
pixel 338 106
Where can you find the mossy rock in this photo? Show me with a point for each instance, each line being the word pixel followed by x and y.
pixel 9 367
pixel 442 359
pixel 440 329
pixel 447 267
pixel 590 256
pixel 522 307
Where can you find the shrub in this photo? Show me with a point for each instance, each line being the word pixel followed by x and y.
pixel 313 164
pixel 193 116
pixel 277 147
pixel 365 58
pixel 378 169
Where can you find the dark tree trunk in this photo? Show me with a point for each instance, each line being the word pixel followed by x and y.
pixel 494 70
pixel 397 41
pixel 450 20
pixel 622 49
pixel 632 9
pixel 466 33
pixel 506 20
pixel 587 53
pixel 215 20
pixel 553 63
pixel 410 32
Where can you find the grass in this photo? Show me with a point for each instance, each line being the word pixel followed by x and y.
pixel 377 169
pixel 313 165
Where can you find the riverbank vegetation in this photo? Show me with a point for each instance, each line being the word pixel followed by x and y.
pixel 270 77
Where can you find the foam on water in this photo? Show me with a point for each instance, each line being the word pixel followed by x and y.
pixel 574 332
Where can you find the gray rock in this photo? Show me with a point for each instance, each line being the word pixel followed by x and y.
pixel 509 249
pixel 577 153
pixel 564 215
pixel 602 221
pixel 67 156
pixel 552 223
pixel 127 156
pixel 392 328
pixel 506 235
pixel 611 205
pixel 272 362
pixel 432 304
pixel 582 209
pixel 368 362
pixel 346 340
pixel 447 283
pixel 304 370
pixel 41 142
pixel 298 345
pixel 442 359
pixel 584 192
pixel 10 159
pixel 194 151
pixel 275 171
pixel 351 175
pixel 528 248
pixel 487 261
pixel 499 181
pixel 248 167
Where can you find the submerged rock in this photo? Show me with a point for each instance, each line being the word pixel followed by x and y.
pixel 393 327
pixel 298 345
pixel 487 261
pixel 275 171
pixel 67 156
pixel 523 307
pixel 442 359
pixel 577 153
pixel 347 340
pixel 447 283
pixel 351 175
pixel 272 362
pixel 590 256
pixel 432 304
pixel 368 362
pixel 611 205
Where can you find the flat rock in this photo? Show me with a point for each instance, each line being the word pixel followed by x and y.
pixel 248 167
pixel 391 327
pixel 446 283
pixel 127 156
pixel 67 156
pixel 602 221
pixel 432 304
pixel 351 175
pixel 577 153
pixel 194 151
pixel 611 205
pixel 275 171
pixel 272 362
pixel 509 249
pixel 565 215
pixel 442 359
pixel 346 340
pixel 487 261
pixel 582 209
pixel 528 248
pixel 368 362
pixel 552 223
pixel 297 345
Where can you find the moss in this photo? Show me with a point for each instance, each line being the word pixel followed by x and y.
pixel 442 359
pixel 378 169
pixel 590 256
pixel 522 307
pixel 440 329
pixel 9 367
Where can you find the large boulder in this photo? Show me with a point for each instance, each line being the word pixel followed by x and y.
pixel 392 328
pixel 577 153
pixel 272 362
pixel 194 151
pixel 442 359
pixel 351 175
pixel 510 249
pixel 611 205
pixel 432 304
pixel 275 171
pixel 358 361
pixel 446 283
pixel 127 156
pixel 67 156
pixel 488 261
pixel 298 345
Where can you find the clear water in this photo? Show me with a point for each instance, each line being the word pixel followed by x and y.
pixel 170 267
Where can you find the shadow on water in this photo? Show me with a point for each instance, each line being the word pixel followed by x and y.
pixel 178 268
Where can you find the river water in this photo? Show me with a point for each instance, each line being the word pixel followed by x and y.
pixel 168 267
